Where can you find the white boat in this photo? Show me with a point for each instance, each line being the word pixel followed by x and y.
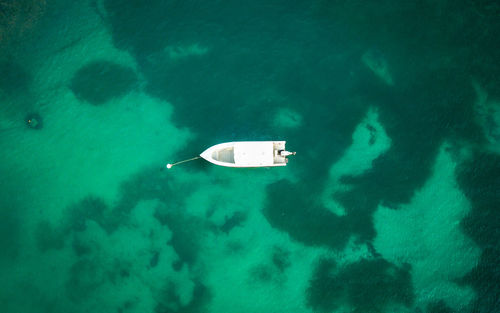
pixel 248 154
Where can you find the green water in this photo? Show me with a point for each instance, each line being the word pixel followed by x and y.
pixel 390 205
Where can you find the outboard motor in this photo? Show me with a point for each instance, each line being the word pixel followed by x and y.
pixel 285 153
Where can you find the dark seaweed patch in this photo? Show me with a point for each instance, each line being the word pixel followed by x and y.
pixel 235 220
pixel 153 184
pixel 186 234
pixel 438 307
pixel 85 277
pixel 273 270
pixel 261 273
pixel 100 81
pixel 281 258
pixel 48 237
pixel 126 306
pixel 298 215
pixel 153 262
pixel 479 179
pixel 80 247
pixel 324 291
pixel 171 303
pixel 90 208
pixel 147 185
pixel 132 30
pixel 14 78
pixel 367 286
pixel 417 127
pixel 186 230
pixel 119 272
pixel 124 273
pixel 9 233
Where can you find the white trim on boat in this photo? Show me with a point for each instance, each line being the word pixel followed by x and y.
pixel 248 154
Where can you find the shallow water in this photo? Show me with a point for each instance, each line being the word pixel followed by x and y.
pixel 390 204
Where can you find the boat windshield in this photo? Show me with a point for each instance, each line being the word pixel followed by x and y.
pixel 224 155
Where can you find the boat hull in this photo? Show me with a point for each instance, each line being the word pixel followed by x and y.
pixel 246 154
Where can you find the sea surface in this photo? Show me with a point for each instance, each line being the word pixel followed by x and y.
pixel 391 204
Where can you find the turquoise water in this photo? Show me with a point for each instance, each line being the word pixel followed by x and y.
pixel 390 205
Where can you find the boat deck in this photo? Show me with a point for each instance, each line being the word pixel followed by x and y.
pixel 246 154
pixel 277 146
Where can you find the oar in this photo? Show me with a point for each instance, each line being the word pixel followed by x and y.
pixel 170 165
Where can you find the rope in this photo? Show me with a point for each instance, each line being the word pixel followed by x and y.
pixel 183 161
